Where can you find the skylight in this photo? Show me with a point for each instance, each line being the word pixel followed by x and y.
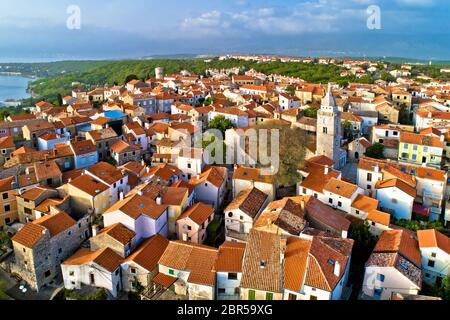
pixel 141 205
pixel 404 266
pixel 330 262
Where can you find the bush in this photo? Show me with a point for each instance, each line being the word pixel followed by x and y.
pixel 99 295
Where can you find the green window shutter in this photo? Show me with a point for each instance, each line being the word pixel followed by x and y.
pixel 171 272
pixel 269 296
pixel 251 295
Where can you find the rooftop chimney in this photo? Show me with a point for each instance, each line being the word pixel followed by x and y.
pixel 94 230
pixel 302 204
pixel 158 200
pixel 344 234
pixel 327 170
pixel 147 169
pixel 121 195
pixel 337 268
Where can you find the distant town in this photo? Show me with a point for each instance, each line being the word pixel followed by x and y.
pixel 156 187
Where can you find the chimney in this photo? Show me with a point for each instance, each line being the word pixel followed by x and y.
pixel 94 230
pixel 327 170
pixel 344 234
pixel 140 192
pixel 143 162
pixel 147 169
pixel 337 268
pixel 442 138
pixel 158 200
pixel 121 195
pixel 302 204
pixel 377 168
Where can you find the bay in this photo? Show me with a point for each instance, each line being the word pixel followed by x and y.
pixel 13 87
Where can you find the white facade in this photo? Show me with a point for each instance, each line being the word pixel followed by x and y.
pixel 77 275
pixel 435 264
pixel 395 200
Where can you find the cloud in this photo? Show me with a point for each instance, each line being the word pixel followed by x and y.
pixel 416 3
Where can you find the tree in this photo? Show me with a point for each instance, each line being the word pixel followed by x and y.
pixel 375 151
pixel 347 129
pixel 3 295
pixel 364 243
pixel 131 77
pixel 220 123
pixel 404 116
pixel 292 151
pixel 290 90
pixel 445 290
pixel 60 99
pixel 311 112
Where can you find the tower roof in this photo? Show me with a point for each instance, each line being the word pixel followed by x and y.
pixel 328 101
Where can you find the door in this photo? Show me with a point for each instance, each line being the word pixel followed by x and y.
pixel 292 296
pixel 356 155
pixel 92 278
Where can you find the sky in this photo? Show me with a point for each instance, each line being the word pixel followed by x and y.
pixel 33 30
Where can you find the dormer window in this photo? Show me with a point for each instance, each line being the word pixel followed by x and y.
pixel 262 264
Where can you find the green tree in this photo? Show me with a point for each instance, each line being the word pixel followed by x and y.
pixel 60 99
pixel 347 129
pixel 131 77
pixel 404 116
pixel 3 294
pixel 220 123
pixel 445 290
pixel 311 112
pixel 364 243
pixel 375 151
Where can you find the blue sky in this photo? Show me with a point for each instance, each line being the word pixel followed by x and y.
pixel 134 28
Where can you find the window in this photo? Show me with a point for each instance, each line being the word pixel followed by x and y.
pixel 7 220
pixel 133 270
pixel 369 187
pixel 114 185
pixel 393 200
pixel 425 149
pixel 415 147
pixel 433 254
pixel 339 204
pixel 330 200
pixel 357 211
pixel 405 146
pixel 171 272
pixel 47 273
pixel 230 214
pixel 395 133
pixel 377 293
pixel 369 177
pixel 380 277
pixel 71 273
pixel 117 271
pixel 60 250
pixel 24 250
pixel 232 276
pixel 312 298
pixel 304 190
pixel 5 196
pixel 373 224
pixel 7 208
pixel 431 263
pixel 189 165
pixel 221 291
pixel 325 130
pixel 189 228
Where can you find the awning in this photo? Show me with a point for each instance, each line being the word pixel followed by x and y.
pixel 164 280
pixel 421 210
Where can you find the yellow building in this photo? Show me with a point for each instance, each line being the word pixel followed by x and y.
pixel 400 97
pixel 421 148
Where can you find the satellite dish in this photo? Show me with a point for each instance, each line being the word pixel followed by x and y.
pixel 21 287
pixel 24 290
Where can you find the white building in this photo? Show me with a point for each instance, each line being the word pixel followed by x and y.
pixel 435 251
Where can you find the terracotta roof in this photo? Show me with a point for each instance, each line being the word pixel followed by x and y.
pixel 249 201
pixel 399 241
pixel 106 172
pixel 421 139
pixel 47 170
pixel 397 183
pixel 198 259
pixel 174 196
pixel 7 143
pixel 318 211
pixel 32 232
pixel 83 147
pixel 89 185
pixel 119 232
pixel 149 252
pixel 295 263
pixel 198 213
pixel 340 187
pixel 251 174
pixel 215 175
pixel 379 217
pixel 105 258
pixel 135 205
pixel 102 134
pixel 230 257
pixel 262 265
pixel 121 146
pixel 365 203
pixel 164 280
pixel 433 239
pixel 164 171
pixel 321 160
pixel 33 193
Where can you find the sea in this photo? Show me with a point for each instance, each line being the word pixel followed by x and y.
pixel 13 87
